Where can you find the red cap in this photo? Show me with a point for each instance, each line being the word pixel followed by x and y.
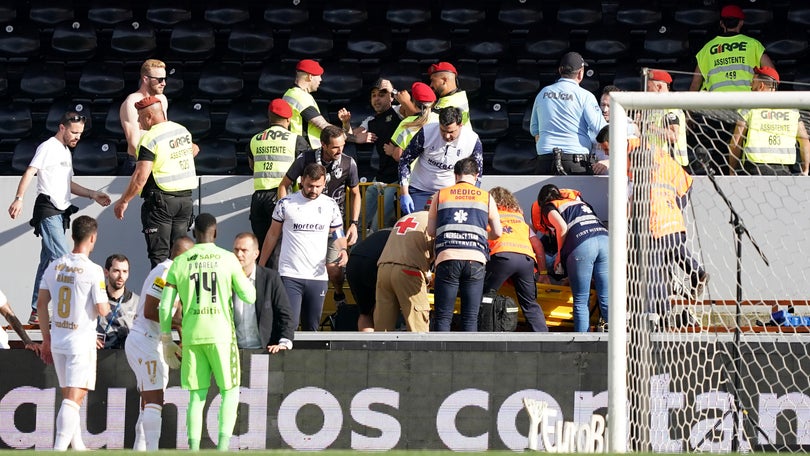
pixel 732 11
pixel 146 102
pixel 660 75
pixel 280 108
pixel 422 93
pixel 442 66
pixel 310 66
pixel 767 71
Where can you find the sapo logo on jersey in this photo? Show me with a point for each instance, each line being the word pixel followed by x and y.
pixel 726 47
pixel 69 269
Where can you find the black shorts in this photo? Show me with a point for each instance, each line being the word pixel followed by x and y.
pixel 361 273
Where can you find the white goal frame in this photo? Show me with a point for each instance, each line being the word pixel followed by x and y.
pixel 620 103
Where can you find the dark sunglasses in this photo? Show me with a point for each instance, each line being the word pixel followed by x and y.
pixel 159 80
pixel 76 119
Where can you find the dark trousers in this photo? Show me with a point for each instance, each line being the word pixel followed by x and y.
pixel 306 301
pixel 520 268
pixel 668 251
pixel 455 277
pixel 262 204
pixel 164 219
pixel 765 169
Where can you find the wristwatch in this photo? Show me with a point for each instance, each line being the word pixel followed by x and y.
pixel 354 222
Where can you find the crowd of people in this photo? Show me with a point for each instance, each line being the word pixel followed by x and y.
pixel 453 237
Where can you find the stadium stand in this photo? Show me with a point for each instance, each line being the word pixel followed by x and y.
pixel 222 55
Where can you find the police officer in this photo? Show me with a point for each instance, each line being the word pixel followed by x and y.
pixel 726 63
pixel 164 176
pixel 565 120
pixel 770 135
pixel 306 119
pixel 272 151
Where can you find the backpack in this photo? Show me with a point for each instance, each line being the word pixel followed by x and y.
pixel 498 313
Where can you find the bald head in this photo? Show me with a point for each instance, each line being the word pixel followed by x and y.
pixel 180 245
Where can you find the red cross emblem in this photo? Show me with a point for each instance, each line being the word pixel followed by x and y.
pixel 403 226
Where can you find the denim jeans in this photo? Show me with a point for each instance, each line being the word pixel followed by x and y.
pixel 389 204
pixel 419 198
pixel 54 245
pixel 588 260
pixel 452 277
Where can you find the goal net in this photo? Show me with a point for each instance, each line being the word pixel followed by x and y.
pixel 709 320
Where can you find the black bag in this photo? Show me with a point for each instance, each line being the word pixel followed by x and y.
pixel 498 313
pixel 344 318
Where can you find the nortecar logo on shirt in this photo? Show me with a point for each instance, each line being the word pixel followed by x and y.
pixel 308 227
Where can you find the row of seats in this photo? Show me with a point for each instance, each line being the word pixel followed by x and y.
pixel 357 14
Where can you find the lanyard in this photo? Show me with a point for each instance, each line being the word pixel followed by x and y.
pixel 114 312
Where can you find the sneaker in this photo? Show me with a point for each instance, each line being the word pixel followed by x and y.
pixel 33 319
pixel 339 299
pixel 602 325
pixel 683 320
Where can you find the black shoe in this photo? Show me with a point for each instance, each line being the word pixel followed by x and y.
pixel 686 320
pixel 700 286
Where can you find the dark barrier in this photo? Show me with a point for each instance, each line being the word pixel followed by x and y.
pixel 460 394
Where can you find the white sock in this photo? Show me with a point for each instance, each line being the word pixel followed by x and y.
pixel 152 422
pixel 140 442
pixel 67 420
pixel 78 443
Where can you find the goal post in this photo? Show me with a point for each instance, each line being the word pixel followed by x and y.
pixel 708 325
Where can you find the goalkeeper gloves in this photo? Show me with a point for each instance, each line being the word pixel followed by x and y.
pixel 406 204
pixel 171 351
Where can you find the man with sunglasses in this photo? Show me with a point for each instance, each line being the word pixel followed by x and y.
pixel 53 166
pixel 152 84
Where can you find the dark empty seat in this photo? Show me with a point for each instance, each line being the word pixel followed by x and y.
pixel 285 17
pixel 95 157
pixel 799 14
pixel 666 41
pixel 517 13
pixel 698 16
pixel 580 14
pixel 224 13
pixel 402 74
pixel 372 43
pixel 195 116
pixel 514 156
pixel 15 120
pixel 786 42
pixel 342 82
pixel 50 12
pixel 428 43
pixel 8 12
pixel 60 107
pixel 408 13
pixel 112 122
pixel 192 39
pixel 109 12
pixel 133 39
pixel 217 156
pixel 548 43
pixel 74 40
pixel 311 43
pixel 248 41
pixel 43 80
pixel 628 78
pixel 490 120
pixel 462 13
pixel 758 16
pixel 638 13
pixel 484 44
pixel 469 78
pixel 18 42
pixel 175 84
pixel 607 43
pixel 246 119
pixel 3 82
pixel 167 13
pixel 342 15
pixel 102 79
pixel 275 79
pixel 222 80
pixel 24 152
pixel 517 82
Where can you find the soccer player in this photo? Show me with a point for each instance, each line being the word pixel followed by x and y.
pixel 77 284
pixel 205 277
pixel 145 356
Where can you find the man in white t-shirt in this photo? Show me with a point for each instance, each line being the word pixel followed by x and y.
pixel 307 218
pixel 145 355
pixel 7 312
pixel 53 166
pixel 76 285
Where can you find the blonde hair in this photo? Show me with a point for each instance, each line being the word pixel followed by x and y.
pixel 149 64
pixel 420 121
pixel 504 199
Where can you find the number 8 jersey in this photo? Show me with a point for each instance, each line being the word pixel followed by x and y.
pixel 76 285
